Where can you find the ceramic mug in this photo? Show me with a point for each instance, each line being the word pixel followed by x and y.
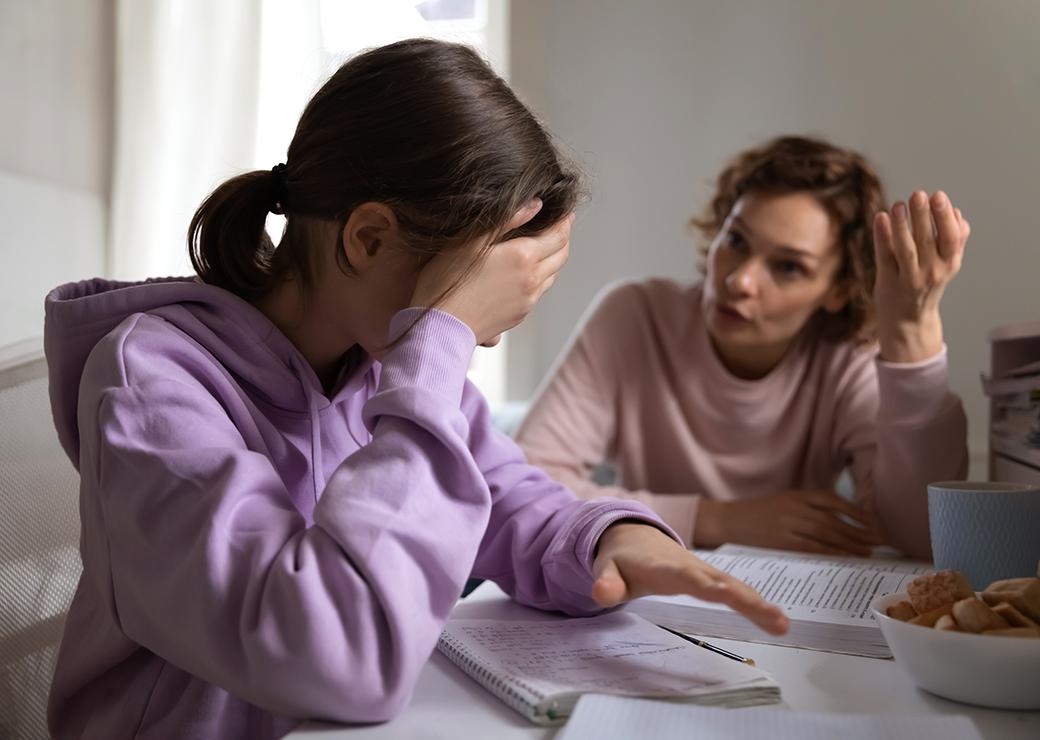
pixel 987 530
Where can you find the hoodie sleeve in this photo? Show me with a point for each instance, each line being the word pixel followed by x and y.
pixel 541 538
pixel 902 428
pixel 213 569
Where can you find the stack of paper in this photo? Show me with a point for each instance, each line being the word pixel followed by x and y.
pixel 618 718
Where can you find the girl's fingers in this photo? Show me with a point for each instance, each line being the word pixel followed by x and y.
pixel 704 582
pixel 948 227
pixel 922 227
pixel 685 575
pixel 742 598
pixel 688 575
pixel 546 284
pixel 524 215
pixel 609 588
pixel 547 243
pixel 551 265
pixel 903 246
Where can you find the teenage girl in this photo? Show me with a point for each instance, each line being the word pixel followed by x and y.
pixel 286 478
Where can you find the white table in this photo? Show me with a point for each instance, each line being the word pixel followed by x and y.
pixel 448 704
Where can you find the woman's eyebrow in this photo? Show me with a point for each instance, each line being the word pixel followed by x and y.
pixel 796 251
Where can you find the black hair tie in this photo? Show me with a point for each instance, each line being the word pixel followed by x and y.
pixel 279 177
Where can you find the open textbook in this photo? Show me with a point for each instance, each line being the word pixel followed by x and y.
pixel 541 668
pixel 827 599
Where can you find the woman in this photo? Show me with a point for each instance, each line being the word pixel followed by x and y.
pixel 286 478
pixel 812 345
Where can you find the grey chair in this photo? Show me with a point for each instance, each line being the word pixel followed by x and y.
pixel 39 541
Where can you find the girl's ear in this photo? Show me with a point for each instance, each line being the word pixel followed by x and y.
pixel 370 229
pixel 837 297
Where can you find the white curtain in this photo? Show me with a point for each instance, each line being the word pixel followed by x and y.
pixel 193 108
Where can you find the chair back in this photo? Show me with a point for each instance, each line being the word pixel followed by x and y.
pixel 39 541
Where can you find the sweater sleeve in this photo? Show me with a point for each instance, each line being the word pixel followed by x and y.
pixel 572 424
pixel 541 538
pixel 901 428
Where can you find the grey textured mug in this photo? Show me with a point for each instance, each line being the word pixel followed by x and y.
pixel 987 531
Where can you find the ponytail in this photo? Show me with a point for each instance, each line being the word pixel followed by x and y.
pixel 227 240
pixel 481 155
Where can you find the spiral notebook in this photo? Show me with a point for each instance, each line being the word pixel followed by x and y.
pixel 541 668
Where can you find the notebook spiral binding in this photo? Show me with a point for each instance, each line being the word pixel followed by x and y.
pixel 515 692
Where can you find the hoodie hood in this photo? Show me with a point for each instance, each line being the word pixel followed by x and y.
pixel 237 335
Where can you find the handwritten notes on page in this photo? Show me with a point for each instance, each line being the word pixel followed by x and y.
pixel 540 668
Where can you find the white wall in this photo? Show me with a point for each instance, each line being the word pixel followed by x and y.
pixel 55 148
pixel 654 96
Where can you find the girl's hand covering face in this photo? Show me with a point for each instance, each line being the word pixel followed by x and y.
pixel 636 559
pixel 504 285
pixel 919 249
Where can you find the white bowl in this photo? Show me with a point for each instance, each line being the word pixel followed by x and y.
pixel 991 671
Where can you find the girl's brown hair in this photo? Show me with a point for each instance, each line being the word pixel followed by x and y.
pixel 847 187
pixel 423 126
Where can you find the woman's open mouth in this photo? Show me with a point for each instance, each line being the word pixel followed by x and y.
pixel 729 313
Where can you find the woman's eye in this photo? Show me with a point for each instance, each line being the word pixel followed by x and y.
pixel 789 268
pixel 734 241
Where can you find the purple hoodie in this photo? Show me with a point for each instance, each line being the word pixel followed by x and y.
pixel 255 552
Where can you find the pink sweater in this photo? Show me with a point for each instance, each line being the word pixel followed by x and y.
pixel 641 385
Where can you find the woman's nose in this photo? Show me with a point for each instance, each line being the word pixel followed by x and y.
pixel 743 280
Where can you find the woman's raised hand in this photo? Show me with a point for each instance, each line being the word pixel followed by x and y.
pixel 919 249
pixel 504 285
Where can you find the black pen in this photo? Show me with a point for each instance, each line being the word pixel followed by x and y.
pixel 709 646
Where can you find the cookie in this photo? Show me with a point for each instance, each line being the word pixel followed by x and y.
pixel 972 615
pixel 938 588
pixel 947 624
pixel 1021 593
pixel 1013 616
pixel 928 619
pixel 902 611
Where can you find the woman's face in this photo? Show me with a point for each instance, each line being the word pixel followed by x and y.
pixel 770 268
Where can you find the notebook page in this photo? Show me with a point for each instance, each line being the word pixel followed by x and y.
pixel 811 589
pixel 618 653
pixel 599 717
